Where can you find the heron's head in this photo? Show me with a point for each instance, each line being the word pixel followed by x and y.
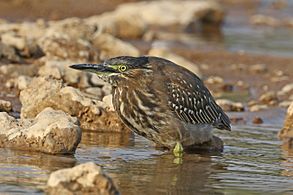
pixel 118 68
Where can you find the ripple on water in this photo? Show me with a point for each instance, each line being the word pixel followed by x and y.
pixel 252 163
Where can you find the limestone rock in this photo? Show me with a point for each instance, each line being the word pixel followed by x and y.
pixel 8 53
pixel 5 106
pixel 75 28
pixel 286 133
pixel 47 92
pixel 51 132
pixel 228 105
pixel 118 24
pixel 23 82
pixel 59 69
pixel 110 46
pixel 15 70
pixel 87 178
pixel 61 46
pixel 151 12
pixel 164 53
pixel 15 41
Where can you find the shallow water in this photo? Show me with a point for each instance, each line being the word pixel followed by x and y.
pixel 253 162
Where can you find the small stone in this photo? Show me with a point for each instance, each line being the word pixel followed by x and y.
pixel 237 120
pixel 285 104
pixel 87 178
pixel 258 68
pixel 230 106
pixel 257 107
pixel 286 133
pixel 5 106
pixel 51 132
pixel 257 120
pixel 214 80
pixel 286 90
pixel 269 98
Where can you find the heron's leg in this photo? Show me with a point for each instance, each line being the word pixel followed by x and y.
pixel 178 150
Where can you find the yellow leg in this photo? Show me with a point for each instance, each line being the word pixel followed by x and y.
pixel 178 150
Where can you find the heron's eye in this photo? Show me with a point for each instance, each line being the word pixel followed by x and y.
pixel 122 68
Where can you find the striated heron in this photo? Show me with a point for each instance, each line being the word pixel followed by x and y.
pixel 161 100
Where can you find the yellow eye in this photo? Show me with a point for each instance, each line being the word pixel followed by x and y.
pixel 122 68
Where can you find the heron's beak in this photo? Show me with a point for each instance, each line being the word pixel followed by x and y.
pixel 95 68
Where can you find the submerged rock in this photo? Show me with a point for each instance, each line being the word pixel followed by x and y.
pixel 230 106
pixel 5 106
pixel 286 133
pixel 51 132
pixel 47 92
pixel 87 178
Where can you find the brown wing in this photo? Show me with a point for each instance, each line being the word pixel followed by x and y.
pixel 192 102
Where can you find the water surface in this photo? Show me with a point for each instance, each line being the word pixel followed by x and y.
pixel 253 162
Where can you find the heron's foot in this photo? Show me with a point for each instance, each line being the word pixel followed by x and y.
pixel 178 150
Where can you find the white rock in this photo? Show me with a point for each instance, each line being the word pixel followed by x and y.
pixel 87 178
pixel 51 132
pixel 13 40
pixel 47 92
pixel 151 11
